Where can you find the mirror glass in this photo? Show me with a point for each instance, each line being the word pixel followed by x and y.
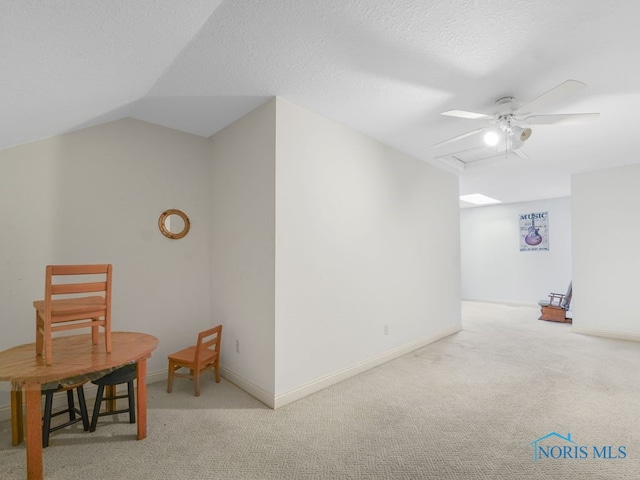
pixel 174 224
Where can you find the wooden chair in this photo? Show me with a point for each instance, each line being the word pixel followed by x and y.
pixel 555 309
pixel 205 355
pixel 67 306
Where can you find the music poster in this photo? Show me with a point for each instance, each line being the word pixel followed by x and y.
pixel 534 231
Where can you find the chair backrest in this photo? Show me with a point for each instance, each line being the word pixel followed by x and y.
pixel 208 340
pixel 566 301
pixel 84 279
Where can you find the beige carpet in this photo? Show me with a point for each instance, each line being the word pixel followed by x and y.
pixel 466 407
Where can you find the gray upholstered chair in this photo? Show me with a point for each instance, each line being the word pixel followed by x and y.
pixel 556 307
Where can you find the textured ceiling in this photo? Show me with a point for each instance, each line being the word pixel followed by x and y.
pixel 387 68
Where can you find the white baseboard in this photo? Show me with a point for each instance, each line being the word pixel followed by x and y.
pixel 337 377
pixel 283 399
pixel 155 377
pixel 244 384
pixel 502 302
pixel 633 337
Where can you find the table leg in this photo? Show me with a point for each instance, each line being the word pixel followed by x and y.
pixel 142 399
pixel 111 391
pixel 34 432
pixel 17 419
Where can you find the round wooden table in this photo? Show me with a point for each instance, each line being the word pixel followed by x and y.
pixel 75 356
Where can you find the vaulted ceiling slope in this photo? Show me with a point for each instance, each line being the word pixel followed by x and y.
pixel 387 68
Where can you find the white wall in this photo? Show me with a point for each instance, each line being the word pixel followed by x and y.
pixel 365 237
pixel 243 248
pixel 306 239
pixel 605 251
pixel 94 196
pixel 493 267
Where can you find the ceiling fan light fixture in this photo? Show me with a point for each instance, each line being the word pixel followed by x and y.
pixel 523 134
pixel 491 138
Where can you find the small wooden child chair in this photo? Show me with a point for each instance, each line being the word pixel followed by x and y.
pixel 67 306
pixel 205 355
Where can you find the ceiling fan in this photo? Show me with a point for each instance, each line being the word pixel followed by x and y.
pixel 509 126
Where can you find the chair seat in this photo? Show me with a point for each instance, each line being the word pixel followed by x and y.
pixel 121 375
pixel 92 306
pixel 188 355
pixel 60 387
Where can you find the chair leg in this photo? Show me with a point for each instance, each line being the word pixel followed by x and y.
pixel 39 335
pixel 216 371
pixel 46 420
pixel 83 408
pixel 95 332
pixel 196 381
pixel 107 334
pixel 132 402
pixel 48 354
pixel 96 408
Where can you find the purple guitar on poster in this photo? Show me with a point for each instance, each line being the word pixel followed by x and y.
pixel 533 238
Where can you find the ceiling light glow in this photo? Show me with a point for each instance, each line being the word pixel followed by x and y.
pixel 478 199
pixel 491 138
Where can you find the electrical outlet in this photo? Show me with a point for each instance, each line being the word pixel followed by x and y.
pixel 386 329
pixel 238 346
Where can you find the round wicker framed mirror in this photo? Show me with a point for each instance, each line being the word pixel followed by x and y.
pixel 174 224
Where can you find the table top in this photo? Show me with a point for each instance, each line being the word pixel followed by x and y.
pixel 73 356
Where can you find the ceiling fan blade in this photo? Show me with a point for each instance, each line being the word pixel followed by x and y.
pixel 469 160
pixel 561 119
pixel 471 150
pixel 458 137
pixel 521 154
pixel 464 114
pixel 556 94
